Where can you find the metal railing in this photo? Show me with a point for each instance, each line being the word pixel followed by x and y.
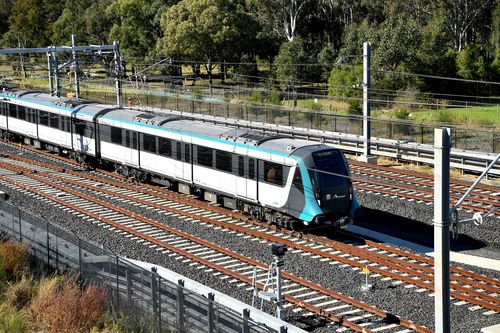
pixel 404 140
pixel 147 300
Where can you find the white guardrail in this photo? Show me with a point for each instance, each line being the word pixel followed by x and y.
pixel 465 160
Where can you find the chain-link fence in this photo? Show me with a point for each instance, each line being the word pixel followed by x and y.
pixel 188 101
pixel 145 299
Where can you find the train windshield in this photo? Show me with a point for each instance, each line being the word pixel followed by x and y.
pixel 330 168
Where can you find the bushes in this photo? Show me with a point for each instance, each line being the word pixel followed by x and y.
pixel 11 320
pixel 63 307
pixel 55 305
pixel 13 260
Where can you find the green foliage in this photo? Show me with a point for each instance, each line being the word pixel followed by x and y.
pixel 345 81
pixel 289 63
pixel 211 30
pixel 471 63
pixel 274 97
pixel 11 320
pixel 401 113
pixel 443 116
pixel 136 25
pixel 256 96
pixel 354 107
pixel 327 57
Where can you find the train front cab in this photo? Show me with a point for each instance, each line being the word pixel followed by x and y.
pixel 322 186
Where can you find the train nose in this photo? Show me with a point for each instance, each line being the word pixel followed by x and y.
pixel 334 200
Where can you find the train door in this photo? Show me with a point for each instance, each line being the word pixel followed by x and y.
pixel 188 165
pixel 252 178
pixel 132 153
pixel 241 179
pixel 182 156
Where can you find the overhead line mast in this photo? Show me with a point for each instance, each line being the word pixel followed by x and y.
pixel 54 67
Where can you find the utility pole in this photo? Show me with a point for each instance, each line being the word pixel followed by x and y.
pixel 51 73
pixel 366 157
pixel 118 74
pixel 442 147
pixel 56 74
pixel 75 66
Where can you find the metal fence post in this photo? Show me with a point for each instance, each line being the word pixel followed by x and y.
pixel 19 221
pixel 48 245
pixel 80 257
pixel 245 315
pixel 128 275
pixel 210 313
pixel 180 306
pixel 117 282
pixel 154 292
pixel 159 304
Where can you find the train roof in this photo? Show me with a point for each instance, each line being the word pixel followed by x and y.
pixel 88 111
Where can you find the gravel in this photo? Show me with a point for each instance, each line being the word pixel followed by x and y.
pixel 393 298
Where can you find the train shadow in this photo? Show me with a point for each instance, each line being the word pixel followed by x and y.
pixel 411 230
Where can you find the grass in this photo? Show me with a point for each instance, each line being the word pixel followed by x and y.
pixel 57 304
pixel 488 115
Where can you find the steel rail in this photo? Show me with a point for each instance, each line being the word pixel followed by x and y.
pixel 381 260
pixel 243 217
pixel 391 189
pixel 386 316
pixel 422 175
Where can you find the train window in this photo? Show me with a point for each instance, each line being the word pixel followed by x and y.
pixel 205 156
pixel 187 153
pixel 127 138
pixel 241 166
pixel 251 168
pixel 274 173
pixel 329 165
pixel 68 124
pixel 178 151
pixel 3 107
pixel 54 120
pixel 165 147
pixel 12 111
pixel 21 112
pixel 223 161
pixel 116 135
pixel 31 115
pixel 80 127
pixel 134 140
pixel 44 118
pixel 297 180
pixel 149 143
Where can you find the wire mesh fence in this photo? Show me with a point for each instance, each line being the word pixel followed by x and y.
pixel 190 101
pixel 150 302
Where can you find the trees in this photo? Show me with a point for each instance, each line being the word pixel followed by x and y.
pixel 209 30
pixel 136 24
pixel 290 64
pixel 282 16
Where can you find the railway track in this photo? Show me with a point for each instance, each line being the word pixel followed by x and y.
pixel 343 310
pixel 419 186
pixel 382 260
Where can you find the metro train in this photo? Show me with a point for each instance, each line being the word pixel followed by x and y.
pixel 271 177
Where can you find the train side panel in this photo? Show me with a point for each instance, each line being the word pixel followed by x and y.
pixel 3 115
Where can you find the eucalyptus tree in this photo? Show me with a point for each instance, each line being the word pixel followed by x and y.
pixel 206 30
pixel 282 16
pixel 136 24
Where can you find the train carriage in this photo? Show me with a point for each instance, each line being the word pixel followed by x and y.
pixel 272 177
